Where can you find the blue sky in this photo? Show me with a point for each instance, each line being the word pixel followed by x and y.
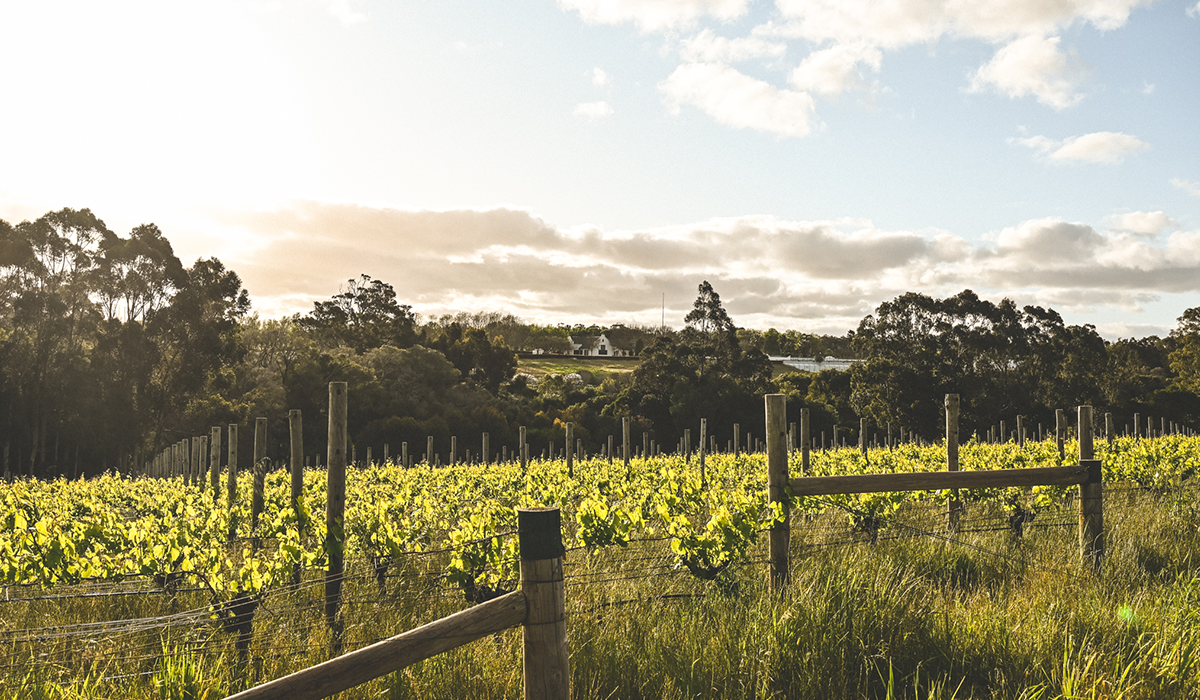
pixel 578 160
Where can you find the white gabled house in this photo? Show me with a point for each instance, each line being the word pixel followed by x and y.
pixel 617 341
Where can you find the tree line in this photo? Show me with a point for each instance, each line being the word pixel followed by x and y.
pixel 112 349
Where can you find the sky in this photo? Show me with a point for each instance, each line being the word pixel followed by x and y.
pixel 592 161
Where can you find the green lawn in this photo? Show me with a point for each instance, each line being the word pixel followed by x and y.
pixel 566 364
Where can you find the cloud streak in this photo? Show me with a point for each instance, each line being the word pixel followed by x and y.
pixel 1098 147
pixel 814 275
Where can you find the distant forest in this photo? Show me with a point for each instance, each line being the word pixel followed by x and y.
pixel 111 349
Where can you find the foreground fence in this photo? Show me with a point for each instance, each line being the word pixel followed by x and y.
pixel 780 488
pixel 539 607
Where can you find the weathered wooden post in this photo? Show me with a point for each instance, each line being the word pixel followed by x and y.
pixel 214 462
pixel 260 470
pixel 862 437
pixel 700 454
pixel 737 439
pixel 625 444
pixel 546 656
pixel 1109 428
pixel 1060 433
pixel 429 451
pixel 1091 496
pixel 570 438
pixel 404 455
pixel 1021 432
pixel 194 462
pixel 296 433
pixel 777 482
pixel 487 449
pixel 1137 425
pixel 335 508
pixel 453 449
pixel 805 440
pixel 954 506
pixel 646 449
pixel 231 486
pixel 524 448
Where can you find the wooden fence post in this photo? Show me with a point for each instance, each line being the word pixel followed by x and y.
pixel 1109 428
pixel 703 439
pixel 231 486
pixel 1060 433
pixel 202 474
pixel 335 509
pixel 737 439
pixel 544 635
pixel 1021 432
pixel 954 507
pixel 625 443
pixel 1137 425
pixel 487 449
pixel 429 450
pixel 296 433
pixel 524 449
pixel 570 457
pixel 1091 495
pixel 805 439
pixel 687 445
pixel 260 470
pixel 404 455
pixel 777 482
pixel 214 462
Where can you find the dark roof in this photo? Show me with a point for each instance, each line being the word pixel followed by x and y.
pixel 586 341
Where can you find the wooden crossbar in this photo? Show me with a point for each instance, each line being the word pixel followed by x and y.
pixel 929 481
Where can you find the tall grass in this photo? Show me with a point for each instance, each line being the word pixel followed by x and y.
pixel 927 616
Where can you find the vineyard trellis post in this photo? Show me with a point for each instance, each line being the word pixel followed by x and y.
pixel 296 433
pixel 214 462
pixel 570 438
pixel 1021 432
pixel 1091 495
pixel 1060 433
pixel 524 449
pixel 429 451
pixel 259 469
pixel 1109 428
pixel 775 406
pixel 231 486
pixel 335 509
pixel 625 443
pixel 954 506
pixel 737 437
pixel 487 449
pixel 805 429
pixel 700 454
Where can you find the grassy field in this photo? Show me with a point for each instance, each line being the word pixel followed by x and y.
pixel 566 364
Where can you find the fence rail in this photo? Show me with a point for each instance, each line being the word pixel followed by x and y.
pixel 929 481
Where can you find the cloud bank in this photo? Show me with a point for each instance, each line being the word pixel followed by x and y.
pixel 812 275
pixel 837 41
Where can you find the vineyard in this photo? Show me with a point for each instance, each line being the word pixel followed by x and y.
pixel 156 587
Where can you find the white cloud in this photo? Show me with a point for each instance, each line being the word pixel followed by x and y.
pixel 599 77
pixel 708 47
pixel 655 15
pixel 737 100
pixel 1098 147
pixel 834 70
pixel 593 110
pixel 1141 222
pixel 1194 11
pixel 1192 188
pixel 1033 65
pixel 899 23
pixel 343 12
